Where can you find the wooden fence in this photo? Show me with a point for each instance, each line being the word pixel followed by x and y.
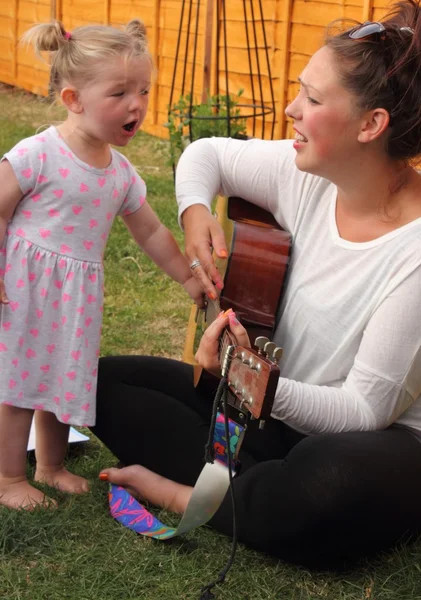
pixel 294 30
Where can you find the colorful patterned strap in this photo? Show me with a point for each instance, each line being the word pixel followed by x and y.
pixel 208 493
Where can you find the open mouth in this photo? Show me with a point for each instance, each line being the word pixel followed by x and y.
pixel 129 126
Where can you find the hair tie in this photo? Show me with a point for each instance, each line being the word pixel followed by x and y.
pixel 408 29
pixel 67 35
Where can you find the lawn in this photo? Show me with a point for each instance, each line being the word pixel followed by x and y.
pixel 78 552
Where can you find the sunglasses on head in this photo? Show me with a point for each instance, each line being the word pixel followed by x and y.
pixel 372 29
pixel 368 29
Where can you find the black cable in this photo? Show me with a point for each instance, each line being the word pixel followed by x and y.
pixel 206 593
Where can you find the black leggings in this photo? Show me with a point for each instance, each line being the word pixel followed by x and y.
pixel 320 501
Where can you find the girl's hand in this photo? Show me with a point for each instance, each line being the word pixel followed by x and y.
pixel 202 233
pixel 3 296
pixel 195 291
pixel 207 354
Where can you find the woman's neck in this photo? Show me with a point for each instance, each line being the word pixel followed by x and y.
pixel 89 150
pixel 376 199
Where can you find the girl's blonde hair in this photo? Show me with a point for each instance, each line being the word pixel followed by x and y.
pixel 74 56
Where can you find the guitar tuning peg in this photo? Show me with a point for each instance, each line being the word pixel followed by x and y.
pixel 269 349
pixel 260 342
pixel 277 355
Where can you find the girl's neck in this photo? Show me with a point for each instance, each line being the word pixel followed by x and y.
pixel 89 150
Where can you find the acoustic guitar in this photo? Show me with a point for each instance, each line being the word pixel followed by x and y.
pixel 254 278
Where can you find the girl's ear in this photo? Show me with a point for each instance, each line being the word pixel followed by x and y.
pixel 70 98
pixel 374 124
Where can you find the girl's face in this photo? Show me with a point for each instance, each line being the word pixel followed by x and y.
pixel 326 119
pixel 114 104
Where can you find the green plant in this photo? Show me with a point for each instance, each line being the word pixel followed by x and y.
pixel 189 121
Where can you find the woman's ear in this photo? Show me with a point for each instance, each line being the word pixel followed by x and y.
pixel 70 98
pixel 374 124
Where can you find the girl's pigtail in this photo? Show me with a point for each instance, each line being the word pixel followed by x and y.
pixel 45 37
pixel 137 29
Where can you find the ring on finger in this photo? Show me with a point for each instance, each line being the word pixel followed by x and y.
pixel 195 264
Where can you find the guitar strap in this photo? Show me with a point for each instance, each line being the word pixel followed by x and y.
pixel 208 493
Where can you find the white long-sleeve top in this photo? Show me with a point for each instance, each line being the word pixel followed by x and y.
pixel 350 318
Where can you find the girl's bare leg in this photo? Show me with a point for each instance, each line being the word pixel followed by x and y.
pixel 51 448
pixel 15 490
pixel 150 486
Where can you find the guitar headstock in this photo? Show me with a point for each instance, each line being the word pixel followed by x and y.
pixel 253 376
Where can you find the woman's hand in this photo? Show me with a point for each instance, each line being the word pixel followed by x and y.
pixel 202 234
pixel 3 296
pixel 207 354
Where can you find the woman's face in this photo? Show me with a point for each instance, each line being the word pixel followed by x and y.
pixel 326 119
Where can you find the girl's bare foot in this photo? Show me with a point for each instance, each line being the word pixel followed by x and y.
pixel 18 493
pixel 150 486
pixel 62 479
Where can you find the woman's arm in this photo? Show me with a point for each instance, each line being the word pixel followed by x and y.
pixel 256 170
pixel 384 381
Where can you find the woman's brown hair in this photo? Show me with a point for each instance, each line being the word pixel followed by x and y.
pixel 385 72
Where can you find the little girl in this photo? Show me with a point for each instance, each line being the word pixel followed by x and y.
pixel 59 193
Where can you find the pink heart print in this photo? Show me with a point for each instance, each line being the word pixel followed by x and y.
pixel 77 209
pixel 27 173
pixel 44 233
pixel 69 396
pixel 66 417
pixel 84 187
pixel 64 172
pixel 3 347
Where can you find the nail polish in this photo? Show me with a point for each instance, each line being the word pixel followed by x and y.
pixel 103 476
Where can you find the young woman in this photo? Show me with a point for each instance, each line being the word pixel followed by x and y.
pixel 327 479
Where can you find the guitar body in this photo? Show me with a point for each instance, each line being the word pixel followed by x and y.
pixel 254 278
pixel 256 269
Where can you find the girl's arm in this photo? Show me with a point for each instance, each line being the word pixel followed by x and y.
pixel 10 195
pixel 159 244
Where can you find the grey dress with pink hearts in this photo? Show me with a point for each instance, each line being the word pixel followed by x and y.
pixel 51 262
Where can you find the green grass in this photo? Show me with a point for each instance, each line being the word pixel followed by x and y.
pixel 78 552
